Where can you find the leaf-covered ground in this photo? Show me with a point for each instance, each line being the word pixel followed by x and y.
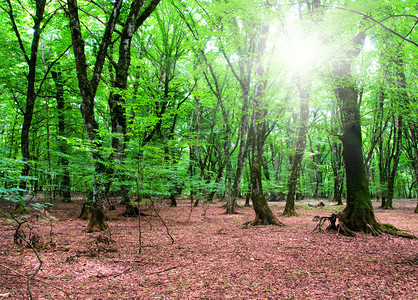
pixel 213 257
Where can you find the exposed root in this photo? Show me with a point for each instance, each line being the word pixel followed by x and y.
pixel 264 221
pixel 342 227
pixel 392 230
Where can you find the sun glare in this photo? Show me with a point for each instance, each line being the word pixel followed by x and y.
pixel 302 53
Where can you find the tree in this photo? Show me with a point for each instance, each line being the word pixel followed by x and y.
pixel 88 88
pixel 138 13
pixel 59 95
pixel 358 214
pixel 31 58
pixel 303 89
pixel 263 214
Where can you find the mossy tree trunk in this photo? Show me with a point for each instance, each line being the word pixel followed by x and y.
pixel 358 214
pixel 263 213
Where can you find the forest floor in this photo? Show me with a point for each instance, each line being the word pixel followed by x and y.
pixel 213 256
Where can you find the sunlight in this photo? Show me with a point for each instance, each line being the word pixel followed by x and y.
pixel 302 53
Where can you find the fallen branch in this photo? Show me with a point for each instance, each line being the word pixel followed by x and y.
pixel 165 270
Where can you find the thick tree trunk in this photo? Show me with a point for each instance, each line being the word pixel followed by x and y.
pixel 358 214
pixel 263 214
pixel 303 88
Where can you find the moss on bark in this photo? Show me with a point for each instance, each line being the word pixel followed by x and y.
pixel 97 221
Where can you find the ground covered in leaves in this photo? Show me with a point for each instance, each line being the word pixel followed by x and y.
pixel 213 256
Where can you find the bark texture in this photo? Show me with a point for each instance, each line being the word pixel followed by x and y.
pixel 88 90
pixel 358 214
pixel 31 60
pixel 263 213
pixel 303 89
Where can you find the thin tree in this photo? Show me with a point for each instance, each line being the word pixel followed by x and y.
pixel 31 92
pixel 136 17
pixel 63 148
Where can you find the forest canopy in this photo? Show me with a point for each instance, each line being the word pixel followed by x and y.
pixel 276 100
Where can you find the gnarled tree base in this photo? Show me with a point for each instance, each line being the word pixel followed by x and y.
pixel 344 228
pixel 268 219
pixel 96 221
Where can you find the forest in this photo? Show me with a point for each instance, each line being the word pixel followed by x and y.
pixel 146 145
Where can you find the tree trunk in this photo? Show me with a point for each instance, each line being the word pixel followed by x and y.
pixel 242 150
pixel 65 177
pixel 243 76
pixel 31 79
pixel 403 98
pixel 263 213
pixel 397 154
pixel 303 88
pixel 215 88
pixel 358 214
pixel 117 98
pixel 88 90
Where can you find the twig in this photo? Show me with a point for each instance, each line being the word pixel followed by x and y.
pixel 191 210
pixel 139 231
pixel 168 232
pixel 122 272
pixel 165 270
pixel 41 281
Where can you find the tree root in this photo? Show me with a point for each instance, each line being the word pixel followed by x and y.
pixel 264 221
pixel 392 230
pixel 373 229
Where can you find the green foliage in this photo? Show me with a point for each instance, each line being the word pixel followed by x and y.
pixel 176 131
